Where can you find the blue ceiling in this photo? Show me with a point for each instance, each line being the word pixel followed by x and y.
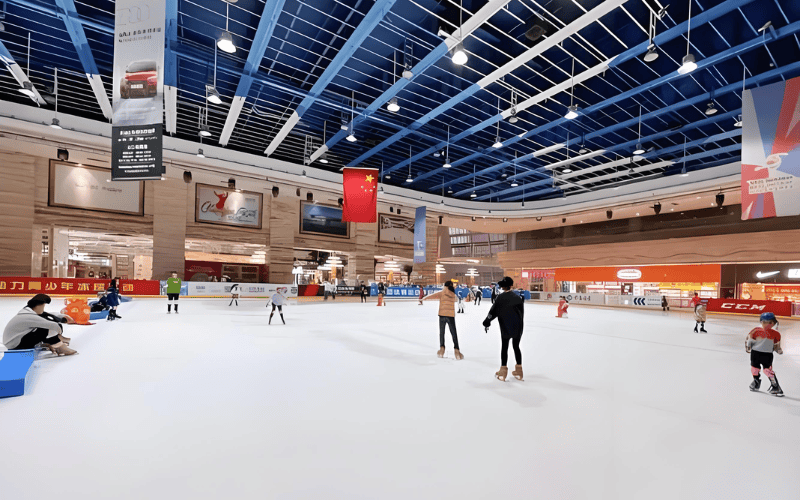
pixel 320 58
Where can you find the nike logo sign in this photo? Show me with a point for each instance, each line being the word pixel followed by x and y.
pixel 761 275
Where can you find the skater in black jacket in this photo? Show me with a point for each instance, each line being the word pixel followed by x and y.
pixel 509 310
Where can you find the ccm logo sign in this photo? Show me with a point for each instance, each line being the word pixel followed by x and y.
pixel 629 274
pixel 743 307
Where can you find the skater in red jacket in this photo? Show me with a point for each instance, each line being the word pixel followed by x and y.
pixel 563 305
pixel 760 343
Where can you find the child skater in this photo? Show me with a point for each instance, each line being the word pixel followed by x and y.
pixel 760 343
pixel 277 300
pixel 234 294
pixel 462 293
pixel 700 315
pixel 112 299
pixel 563 305
pixel 421 294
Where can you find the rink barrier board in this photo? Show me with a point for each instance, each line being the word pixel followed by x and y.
pixel 24 285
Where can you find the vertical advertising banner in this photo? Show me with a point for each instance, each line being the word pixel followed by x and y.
pixel 419 235
pixel 138 90
pixel 771 151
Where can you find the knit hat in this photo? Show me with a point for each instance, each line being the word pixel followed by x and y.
pixel 506 282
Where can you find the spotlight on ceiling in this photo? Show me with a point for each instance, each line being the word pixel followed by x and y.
pixel 200 153
pixel 62 154
pixel 583 150
pixel 566 171
pixel 447 163
pixel 323 158
pixel 449 190
pixel 711 109
pixel 688 64
pixel 437 153
pixel 513 118
pixel 505 220
pixel 351 137
pixel 639 149
pixel 572 112
pixel 204 131
pixel 652 54
pixel 231 183
pixel 473 195
pixel 303 174
pixel 409 178
pixel 212 94
pixel 497 143
pixel 514 184
pixel 720 199
pixel 657 208
pixel 738 123
pixel 684 173
pixel 55 124
pixel 394 105
pixel 225 42
pixel 27 89
pixel 459 55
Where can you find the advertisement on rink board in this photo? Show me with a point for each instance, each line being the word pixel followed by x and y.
pixel 136 141
pixel 634 300
pixel 754 307
pixel 223 289
pixel 74 286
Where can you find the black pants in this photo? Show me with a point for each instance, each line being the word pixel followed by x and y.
pixel 29 340
pixel 759 359
pixel 363 298
pixel 280 309
pixel 448 320
pixel 478 299
pixel 514 340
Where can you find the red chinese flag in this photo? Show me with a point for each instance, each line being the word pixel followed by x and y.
pixel 360 195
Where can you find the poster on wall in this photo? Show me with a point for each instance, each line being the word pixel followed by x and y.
pixel 394 229
pixel 322 219
pixel 138 90
pixel 88 188
pixel 419 235
pixel 229 207
pixel 771 150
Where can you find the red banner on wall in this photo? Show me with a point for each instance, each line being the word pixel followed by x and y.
pixel 754 307
pixel 73 286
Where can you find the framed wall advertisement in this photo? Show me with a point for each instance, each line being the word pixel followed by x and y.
pixel 322 219
pixel 90 188
pixel 394 229
pixel 227 207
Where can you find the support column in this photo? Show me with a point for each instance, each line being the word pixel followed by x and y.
pixel 17 194
pixel 284 220
pixel 169 227
pixel 364 256
pixel 427 270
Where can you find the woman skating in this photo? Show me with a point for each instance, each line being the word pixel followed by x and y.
pixel 447 316
pixel 509 310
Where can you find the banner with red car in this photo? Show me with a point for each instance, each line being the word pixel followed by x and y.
pixel 136 143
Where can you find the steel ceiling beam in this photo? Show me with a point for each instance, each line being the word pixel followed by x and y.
pixel 369 23
pixel 72 21
pixel 469 26
pixel 538 49
pixel 672 33
pixel 17 73
pixel 171 68
pixel 266 27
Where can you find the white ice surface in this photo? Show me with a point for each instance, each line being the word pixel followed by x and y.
pixel 349 401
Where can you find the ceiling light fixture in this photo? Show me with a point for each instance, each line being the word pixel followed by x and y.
pixel 572 111
pixel 200 153
pixel 225 40
pixel 409 179
pixel 458 54
pixel 55 123
pixel 652 50
pixel 688 64
pixel 393 105
pixel 497 142
pixel 738 123
pixel 652 54
pixel 27 86
pixel 204 131
pixel 211 90
pixel 447 150
pixel 351 137
pixel 408 53
pixel 639 149
pixel 711 110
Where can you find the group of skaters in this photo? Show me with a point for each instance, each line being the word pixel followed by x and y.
pixel 507 307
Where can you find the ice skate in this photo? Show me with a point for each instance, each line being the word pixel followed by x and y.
pixel 284 321
pixel 775 388
pixel 755 385
pixel 695 328
pixel 517 372
pixel 440 352
pixel 703 328
pixel 169 311
pixel 64 339
pixel 502 373
pixel 458 354
pixel 60 349
pixel 270 320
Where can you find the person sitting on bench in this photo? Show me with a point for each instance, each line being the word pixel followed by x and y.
pixel 32 325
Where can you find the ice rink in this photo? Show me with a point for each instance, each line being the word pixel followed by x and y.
pixel 349 401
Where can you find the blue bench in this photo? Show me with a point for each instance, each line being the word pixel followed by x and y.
pixel 15 366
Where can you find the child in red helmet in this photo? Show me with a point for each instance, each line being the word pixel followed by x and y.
pixel 760 343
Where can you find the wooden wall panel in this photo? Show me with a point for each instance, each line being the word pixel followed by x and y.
pixel 17 193
pixel 284 220
pixel 169 227
pixel 775 246
pixel 364 255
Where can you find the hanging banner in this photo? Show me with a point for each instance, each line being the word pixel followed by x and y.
pixel 360 202
pixel 419 235
pixel 771 151
pixel 138 90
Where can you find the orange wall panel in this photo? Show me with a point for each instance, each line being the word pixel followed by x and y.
pixel 649 274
